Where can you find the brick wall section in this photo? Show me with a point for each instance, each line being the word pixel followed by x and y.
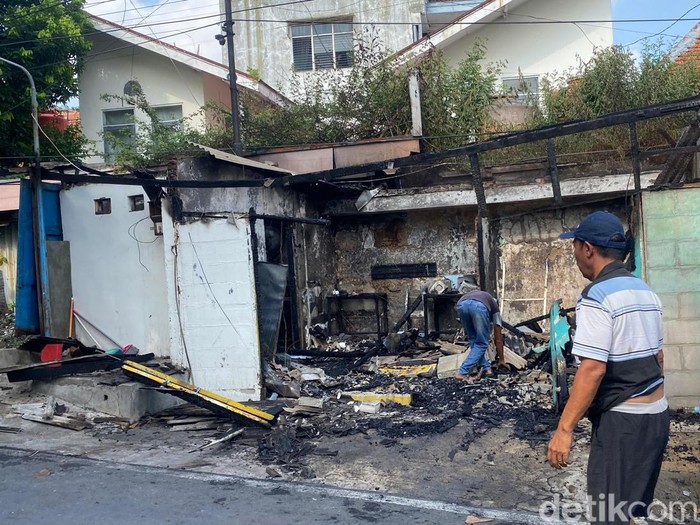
pixel 672 269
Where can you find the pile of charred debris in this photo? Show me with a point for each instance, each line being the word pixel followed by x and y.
pixel 402 387
pixel 393 389
pixel 398 387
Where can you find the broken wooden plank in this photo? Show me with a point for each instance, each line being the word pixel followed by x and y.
pixel 227 437
pixel 407 314
pixel 370 397
pixel 190 420
pixel 449 365
pixel 63 367
pixel 58 421
pixel 202 425
pixel 451 348
pixel 513 359
pixel 303 411
pixel 313 402
pixel 192 393
pixel 401 370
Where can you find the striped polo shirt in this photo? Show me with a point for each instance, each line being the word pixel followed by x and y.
pixel 618 321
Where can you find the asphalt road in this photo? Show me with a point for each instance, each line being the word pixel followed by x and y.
pixel 37 488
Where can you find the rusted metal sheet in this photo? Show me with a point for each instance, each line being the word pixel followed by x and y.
pixel 304 161
pixel 242 161
pixel 374 152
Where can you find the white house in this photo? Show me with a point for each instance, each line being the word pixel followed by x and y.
pixel 169 283
pixel 532 37
pixel 176 82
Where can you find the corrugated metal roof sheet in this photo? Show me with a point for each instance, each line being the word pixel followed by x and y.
pixel 242 161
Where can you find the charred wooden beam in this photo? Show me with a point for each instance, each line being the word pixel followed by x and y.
pixel 678 166
pixel 553 171
pixel 636 162
pixel 681 150
pixel 478 185
pixel 300 220
pixel 158 183
pixel 505 141
pixel 412 308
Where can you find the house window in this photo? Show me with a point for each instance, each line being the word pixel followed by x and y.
pixel 521 87
pixel 170 116
pixel 103 206
pixel 322 45
pixel 119 130
pixel 136 203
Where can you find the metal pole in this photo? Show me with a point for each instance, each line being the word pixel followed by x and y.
pixel 235 114
pixel 39 226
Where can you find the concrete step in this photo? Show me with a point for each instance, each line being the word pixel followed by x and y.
pixel 108 393
pixel 13 357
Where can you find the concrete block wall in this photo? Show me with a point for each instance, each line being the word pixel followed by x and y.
pixel 671 244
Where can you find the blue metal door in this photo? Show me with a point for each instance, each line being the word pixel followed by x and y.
pixel 26 305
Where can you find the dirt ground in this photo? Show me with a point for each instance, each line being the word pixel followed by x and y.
pixel 478 446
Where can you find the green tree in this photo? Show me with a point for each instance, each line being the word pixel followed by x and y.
pixel 47 38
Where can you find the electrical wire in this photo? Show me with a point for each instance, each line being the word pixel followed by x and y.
pixel 174 250
pixel 167 52
pixel 284 24
pixel 153 24
pixel 674 22
pixel 131 231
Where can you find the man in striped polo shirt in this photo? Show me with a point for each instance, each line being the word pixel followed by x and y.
pixel 619 383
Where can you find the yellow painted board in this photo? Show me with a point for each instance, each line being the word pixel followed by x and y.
pixel 183 386
pixel 410 370
pixel 374 397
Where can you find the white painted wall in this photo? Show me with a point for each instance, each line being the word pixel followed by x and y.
pixel 539 49
pixel 112 63
pixel 533 48
pixel 212 305
pixel 118 282
pixel 267 46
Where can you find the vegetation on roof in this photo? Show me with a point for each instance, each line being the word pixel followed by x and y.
pixel 460 104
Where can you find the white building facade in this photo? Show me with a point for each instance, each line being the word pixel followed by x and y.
pixel 175 82
pixel 527 36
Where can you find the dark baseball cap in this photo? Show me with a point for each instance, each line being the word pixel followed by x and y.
pixel 600 228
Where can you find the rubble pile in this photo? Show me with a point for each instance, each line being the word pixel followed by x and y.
pixel 399 397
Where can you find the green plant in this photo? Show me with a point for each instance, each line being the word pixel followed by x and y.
pixel 69 143
pixel 456 102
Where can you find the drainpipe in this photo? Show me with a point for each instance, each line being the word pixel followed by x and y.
pixel 38 212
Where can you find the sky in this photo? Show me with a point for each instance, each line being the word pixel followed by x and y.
pixel 144 12
pixel 631 33
pixel 189 24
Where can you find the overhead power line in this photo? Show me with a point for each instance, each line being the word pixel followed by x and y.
pixel 154 24
pixel 283 23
